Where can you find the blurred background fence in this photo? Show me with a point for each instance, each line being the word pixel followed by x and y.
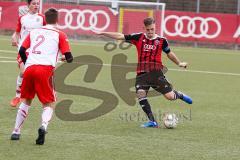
pixel 214 23
pixel 213 6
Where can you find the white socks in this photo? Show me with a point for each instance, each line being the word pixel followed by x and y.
pixel 21 116
pixel 46 116
pixel 18 86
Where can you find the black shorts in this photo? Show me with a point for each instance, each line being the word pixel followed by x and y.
pixel 154 79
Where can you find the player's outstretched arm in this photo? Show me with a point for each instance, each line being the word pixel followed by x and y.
pixel 15 38
pixel 114 35
pixel 175 59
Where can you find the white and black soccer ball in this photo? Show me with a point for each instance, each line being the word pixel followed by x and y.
pixel 170 120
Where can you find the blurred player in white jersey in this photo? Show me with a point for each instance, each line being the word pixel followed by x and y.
pixel 31 20
pixel 44 45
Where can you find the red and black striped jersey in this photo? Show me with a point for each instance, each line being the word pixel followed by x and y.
pixel 149 51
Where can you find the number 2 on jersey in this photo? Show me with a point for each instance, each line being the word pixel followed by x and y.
pixel 40 39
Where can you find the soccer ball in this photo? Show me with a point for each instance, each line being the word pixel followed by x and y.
pixel 170 120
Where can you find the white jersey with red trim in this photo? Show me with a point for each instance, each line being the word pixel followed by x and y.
pixel 44 45
pixel 28 22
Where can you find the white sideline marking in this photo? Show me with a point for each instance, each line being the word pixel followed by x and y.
pixel 205 72
pixel 8 51
pixel 8 61
pixel 171 69
pixel 8 57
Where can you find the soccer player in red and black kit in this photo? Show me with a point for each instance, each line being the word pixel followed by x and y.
pixel 149 70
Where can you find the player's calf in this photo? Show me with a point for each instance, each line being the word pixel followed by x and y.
pixel 173 95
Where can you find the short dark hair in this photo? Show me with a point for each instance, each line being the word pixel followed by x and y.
pixel 148 21
pixel 29 1
pixel 51 16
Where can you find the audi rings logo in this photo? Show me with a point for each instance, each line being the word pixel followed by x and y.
pixel 191 26
pixel 77 19
pixel 149 47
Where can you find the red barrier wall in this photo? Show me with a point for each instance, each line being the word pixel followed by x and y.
pixel 181 26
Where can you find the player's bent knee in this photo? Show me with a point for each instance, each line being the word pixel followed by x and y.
pixel 27 101
pixel 169 96
pixel 52 105
pixel 141 93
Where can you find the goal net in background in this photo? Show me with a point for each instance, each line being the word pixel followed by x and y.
pixel 78 18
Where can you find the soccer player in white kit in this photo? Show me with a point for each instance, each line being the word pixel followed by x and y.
pixel 25 24
pixel 44 45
